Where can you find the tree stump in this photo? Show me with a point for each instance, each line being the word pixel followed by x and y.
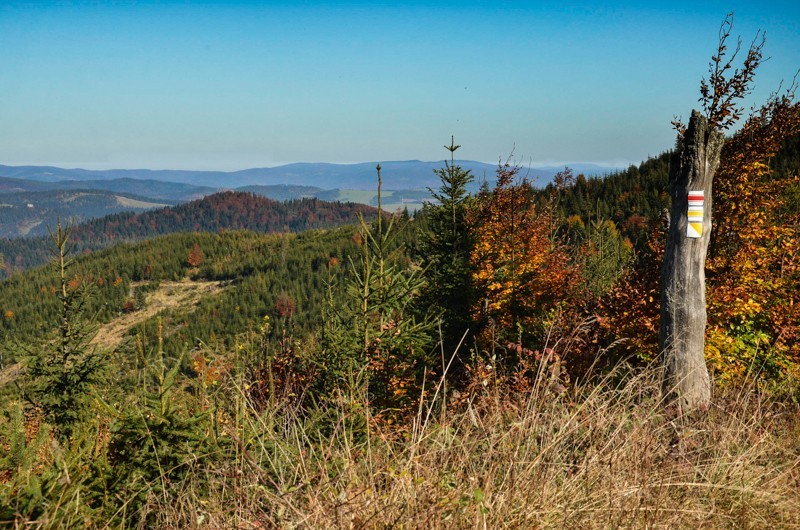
pixel 681 337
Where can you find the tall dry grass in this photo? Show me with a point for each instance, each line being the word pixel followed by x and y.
pixel 605 454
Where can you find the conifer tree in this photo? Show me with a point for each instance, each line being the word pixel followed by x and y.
pixel 161 433
pixel 374 327
pixel 446 249
pixel 60 374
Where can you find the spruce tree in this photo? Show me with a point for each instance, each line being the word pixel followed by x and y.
pixel 446 248
pixel 373 328
pixel 61 373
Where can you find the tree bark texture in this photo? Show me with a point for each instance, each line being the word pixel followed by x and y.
pixel 681 337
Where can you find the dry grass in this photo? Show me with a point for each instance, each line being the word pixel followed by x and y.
pixel 169 295
pixel 605 455
pixel 133 203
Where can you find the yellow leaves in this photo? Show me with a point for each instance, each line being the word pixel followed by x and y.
pixel 757 240
pixel 517 266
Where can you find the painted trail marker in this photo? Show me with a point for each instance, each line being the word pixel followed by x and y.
pixel 694 216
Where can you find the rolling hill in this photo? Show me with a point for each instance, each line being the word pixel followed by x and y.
pixel 159 190
pixel 214 213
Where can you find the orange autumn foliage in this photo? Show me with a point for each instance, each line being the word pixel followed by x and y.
pixel 629 313
pixel 753 269
pixel 754 266
pixel 519 267
pixel 195 257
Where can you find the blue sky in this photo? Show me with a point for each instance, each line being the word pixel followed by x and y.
pixel 231 85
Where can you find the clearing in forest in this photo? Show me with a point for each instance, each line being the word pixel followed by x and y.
pixel 169 295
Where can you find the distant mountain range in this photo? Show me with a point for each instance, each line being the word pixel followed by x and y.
pixel 33 197
pixel 397 175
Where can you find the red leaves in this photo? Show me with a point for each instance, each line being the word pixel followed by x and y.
pixel 195 257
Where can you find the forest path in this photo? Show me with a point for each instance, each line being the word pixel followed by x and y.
pixel 169 295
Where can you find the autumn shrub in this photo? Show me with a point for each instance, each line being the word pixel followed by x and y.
pixel 754 268
pixel 741 352
pixel 280 371
pixel 521 271
pixel 628 314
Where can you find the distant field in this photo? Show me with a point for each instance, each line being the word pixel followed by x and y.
pixel 360 196
pixel 133 203
pixel 392 200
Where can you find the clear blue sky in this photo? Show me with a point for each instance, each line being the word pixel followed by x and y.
pixel 230 85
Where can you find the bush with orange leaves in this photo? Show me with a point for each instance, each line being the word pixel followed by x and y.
pixel 628 315
pixel 754 263
pixel 521 269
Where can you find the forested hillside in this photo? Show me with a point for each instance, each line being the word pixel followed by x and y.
pixel 629 198
pixel 29 213
pixel 223 211
pixel 281 276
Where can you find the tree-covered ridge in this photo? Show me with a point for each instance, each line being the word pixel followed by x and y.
pixel 222 211
pixel 154 190
pixel 29 213
pixel 280 275
pixel 632 197
pixel 628 198
pixel 227 211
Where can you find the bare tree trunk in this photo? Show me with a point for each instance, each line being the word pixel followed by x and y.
pixel 681 337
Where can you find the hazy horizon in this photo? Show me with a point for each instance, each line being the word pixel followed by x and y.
pixel 523 164
pixel 225 86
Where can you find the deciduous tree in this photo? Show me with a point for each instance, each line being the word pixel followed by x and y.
pixel 519 267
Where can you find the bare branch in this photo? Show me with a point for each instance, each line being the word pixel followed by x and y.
pixel 721 93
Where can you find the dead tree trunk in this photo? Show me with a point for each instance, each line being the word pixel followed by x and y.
pixel 681 336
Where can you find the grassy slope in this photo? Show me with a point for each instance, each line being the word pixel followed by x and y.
pixel 601 455
pixel 173 296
